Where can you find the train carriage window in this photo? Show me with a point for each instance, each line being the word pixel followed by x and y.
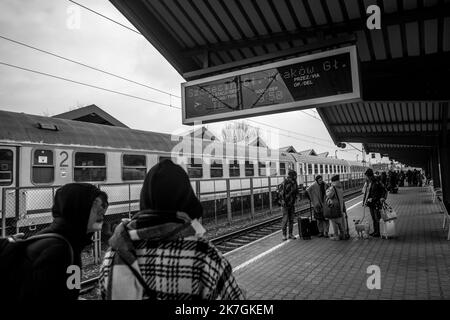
pixel 89 166
pixel 262 169
pixel 282 168
pixel 134 167
pixel 216 168
pixel 249 169
pixel 273 168
pixel 234 169
pixel 6 167
pixel 43 171
pixel 195 168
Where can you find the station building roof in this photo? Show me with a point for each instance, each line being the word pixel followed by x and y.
pixel 309 152
pixel 404 66
pixel 323 154
pixel 92 114
pixel 288 149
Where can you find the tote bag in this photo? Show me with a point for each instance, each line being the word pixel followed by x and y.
pixel 332 207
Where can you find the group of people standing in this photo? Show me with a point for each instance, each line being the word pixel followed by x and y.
pixel 322 195
pixel 319 193
pixel 395 178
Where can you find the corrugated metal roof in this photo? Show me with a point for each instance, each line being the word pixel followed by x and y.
pixel 413 155
pixel 409 123
pixel 187 31
pixel 24 127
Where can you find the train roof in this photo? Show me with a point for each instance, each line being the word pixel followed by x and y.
pixel 25 128
pixel 20 127
pixel 319 160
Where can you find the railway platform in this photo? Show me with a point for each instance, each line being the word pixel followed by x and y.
pixel 415 265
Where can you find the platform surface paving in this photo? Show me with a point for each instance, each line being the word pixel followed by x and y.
pixel 416 265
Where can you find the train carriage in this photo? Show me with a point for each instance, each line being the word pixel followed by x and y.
pixel 38 154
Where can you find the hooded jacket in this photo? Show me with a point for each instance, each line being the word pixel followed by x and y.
pixel 163 245
pixel 49 258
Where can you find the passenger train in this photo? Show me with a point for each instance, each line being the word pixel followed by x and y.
pixel 38 154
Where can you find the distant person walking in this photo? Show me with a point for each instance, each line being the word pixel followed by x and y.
pixel 161 254
pixel 374 196
pixel 316 193
pixel 288 198
pixel 409 177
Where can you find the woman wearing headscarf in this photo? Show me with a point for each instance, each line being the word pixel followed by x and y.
pixel 160 253
pixel 77 212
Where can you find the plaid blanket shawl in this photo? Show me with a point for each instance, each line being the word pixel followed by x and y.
pixel 175 262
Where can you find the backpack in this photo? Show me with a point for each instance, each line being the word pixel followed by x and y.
pixel 332 206
pixel 13 262
pixel 281 193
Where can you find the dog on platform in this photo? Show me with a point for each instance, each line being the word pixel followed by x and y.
pixel 362 229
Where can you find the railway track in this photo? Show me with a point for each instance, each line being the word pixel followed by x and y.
pixel 236 239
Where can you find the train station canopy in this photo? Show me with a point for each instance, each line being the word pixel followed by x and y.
pixel 404 67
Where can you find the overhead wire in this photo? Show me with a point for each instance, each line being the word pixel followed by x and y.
pixel 86 84
pixel 86 66
pixel 310 115
pixel 103 16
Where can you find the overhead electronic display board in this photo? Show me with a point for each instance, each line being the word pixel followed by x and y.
pixel 293 84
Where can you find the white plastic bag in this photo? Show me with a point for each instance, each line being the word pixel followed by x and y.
pixel 388 213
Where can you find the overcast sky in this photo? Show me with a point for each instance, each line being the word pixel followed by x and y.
pixel 47 25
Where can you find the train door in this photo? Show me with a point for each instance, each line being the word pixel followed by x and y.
pixel 9 177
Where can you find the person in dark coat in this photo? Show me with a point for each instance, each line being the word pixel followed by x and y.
pixel 78 212
pixel 288 205
pixel 374 196
pixel 316 194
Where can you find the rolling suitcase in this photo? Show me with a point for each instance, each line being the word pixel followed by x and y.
pixel 304 228
pixel 313 228
pixel 387 229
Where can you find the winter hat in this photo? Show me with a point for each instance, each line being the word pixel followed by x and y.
pixel 369 172
pixel 292 173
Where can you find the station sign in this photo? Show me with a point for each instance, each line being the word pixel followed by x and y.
pixel 299 83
